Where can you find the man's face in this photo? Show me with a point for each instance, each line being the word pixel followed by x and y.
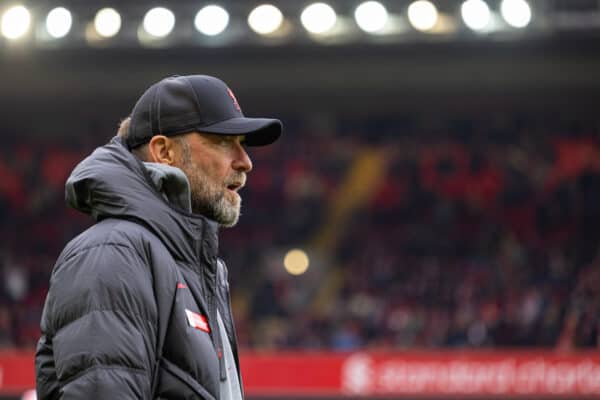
pixel 216 166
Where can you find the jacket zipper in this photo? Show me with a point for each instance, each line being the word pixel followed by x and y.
pixel 234 347
pixel 215 333
pixel 217 340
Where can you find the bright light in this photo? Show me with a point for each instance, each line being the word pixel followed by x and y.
pixel 423 15
pixel 296 262
pixel 265 19
pixel 159 22
pixel 107 22
pixel 318 18
pixel 371 16
pixel 476 14
pixel 15 22
pixel 211 20
pixel 516 13
pixel 58 22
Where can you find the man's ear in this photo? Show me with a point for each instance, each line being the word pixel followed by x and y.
pixel 161 150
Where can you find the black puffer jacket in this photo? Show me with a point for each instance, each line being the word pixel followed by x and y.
pixel 123 285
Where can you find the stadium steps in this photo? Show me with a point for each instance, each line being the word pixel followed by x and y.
pixel 364 176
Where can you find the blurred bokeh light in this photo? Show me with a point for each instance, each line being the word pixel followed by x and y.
pixel 296 262
pixel 107 22
pixel 371 16
pixel 423 15
pixel 15 22
pixel 318 18
pixel 211 20
pixel 159 22
pixel 476 14
pixel 517 13
pixel 58 22
pixel 265 19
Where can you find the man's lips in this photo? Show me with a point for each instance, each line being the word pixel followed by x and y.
pixel 236 182
pixel 235 186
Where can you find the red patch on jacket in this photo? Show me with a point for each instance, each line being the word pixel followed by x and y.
pixel 197 321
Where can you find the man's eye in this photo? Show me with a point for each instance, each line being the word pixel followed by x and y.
pixel 220 140
pixel 227 141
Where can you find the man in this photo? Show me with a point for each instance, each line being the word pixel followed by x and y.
pixel 138 306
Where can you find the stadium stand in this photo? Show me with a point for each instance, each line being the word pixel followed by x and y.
pixel 482 234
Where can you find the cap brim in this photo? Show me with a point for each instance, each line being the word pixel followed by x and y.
pixel 258 131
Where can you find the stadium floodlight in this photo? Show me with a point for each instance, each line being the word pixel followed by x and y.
pixel 59 22
pixel 15 22
pixel 516 13
pixel 318 18
pixel 371 16
pixel 107 22
pixel 423 15
pixel 265 19
pixel 476 14
pixel 159 22
pixel 211 20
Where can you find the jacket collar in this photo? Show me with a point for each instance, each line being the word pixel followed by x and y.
pixel 113 183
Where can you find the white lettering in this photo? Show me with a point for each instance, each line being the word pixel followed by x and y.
pixel 357 374
pixel 504 377
pixel 530 376
pixel 363 375
pixel 560 378
pixel 588 378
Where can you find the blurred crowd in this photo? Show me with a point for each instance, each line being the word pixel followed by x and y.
pixel 477 232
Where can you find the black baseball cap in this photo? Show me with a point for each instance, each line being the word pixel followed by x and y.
pixel 202 103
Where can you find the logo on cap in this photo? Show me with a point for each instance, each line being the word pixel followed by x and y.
pixel 235 102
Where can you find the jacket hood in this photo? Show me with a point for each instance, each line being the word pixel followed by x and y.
pixel 112 182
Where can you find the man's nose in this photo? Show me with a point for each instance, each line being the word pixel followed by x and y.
pixel 241 161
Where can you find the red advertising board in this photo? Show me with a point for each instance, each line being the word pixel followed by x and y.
pixel 385 374
pixel 17 372
pixel 450 373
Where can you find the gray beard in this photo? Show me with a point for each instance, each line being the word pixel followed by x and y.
pixel 206 198
pixel 212 202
